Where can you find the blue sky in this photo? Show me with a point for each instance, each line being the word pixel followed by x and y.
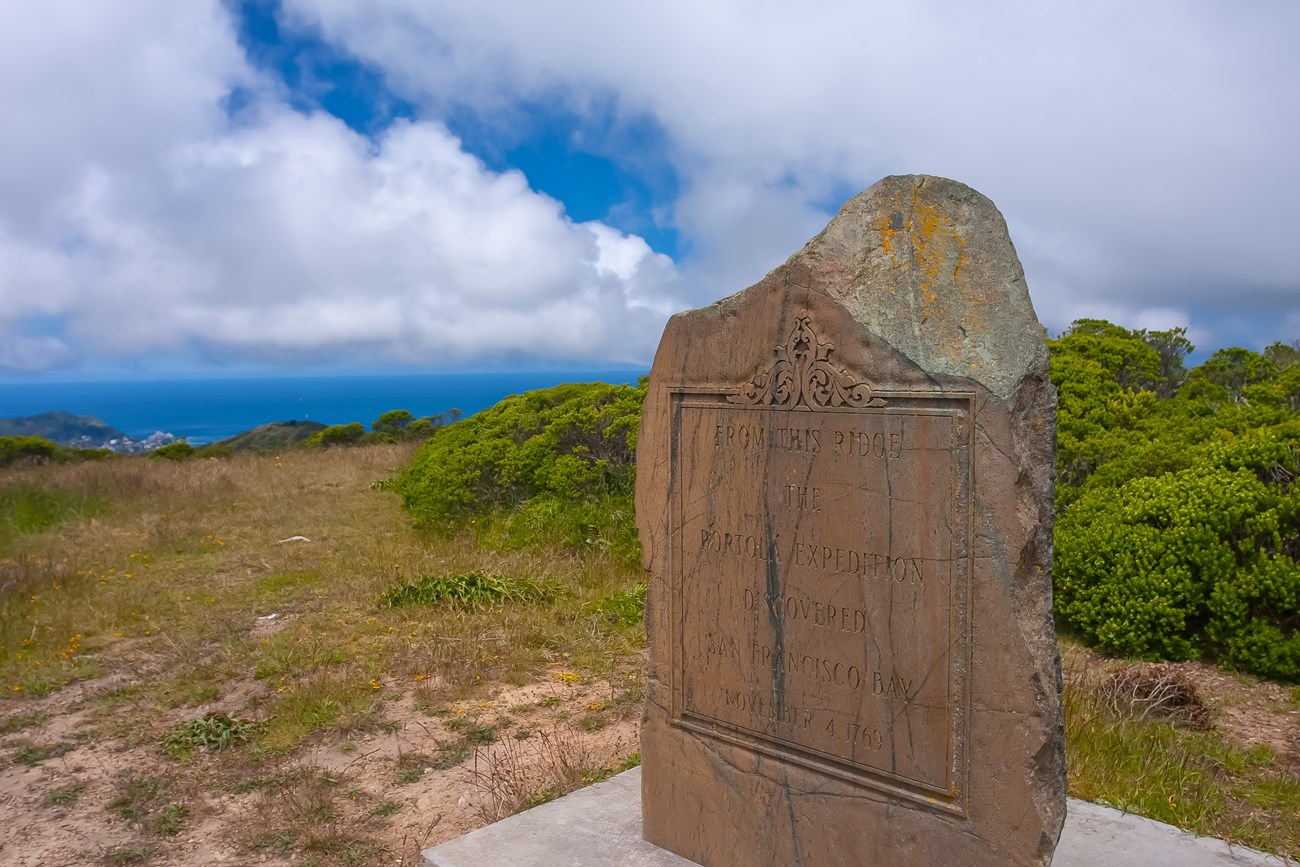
pixel 219 187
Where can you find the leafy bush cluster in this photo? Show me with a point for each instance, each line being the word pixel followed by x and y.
pixel 396 425
pixel 1178 522
pixel 554 465
pixel 38 450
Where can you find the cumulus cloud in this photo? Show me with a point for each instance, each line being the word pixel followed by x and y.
pixel 141 214
pixel 160 195
pixel 1142 154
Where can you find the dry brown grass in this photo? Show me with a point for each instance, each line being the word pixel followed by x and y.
pixel 173 594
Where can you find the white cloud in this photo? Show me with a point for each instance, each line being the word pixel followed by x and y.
pixel 140 215
pixel 1143 154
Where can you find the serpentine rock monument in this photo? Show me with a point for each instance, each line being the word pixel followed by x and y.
pixel 844 495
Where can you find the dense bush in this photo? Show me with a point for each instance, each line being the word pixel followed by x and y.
pixel 15 450
pixel 551 465
pixel 1178 521
pixel 38 450
pixel 177 451
pixel 395 425
pixel 1178 526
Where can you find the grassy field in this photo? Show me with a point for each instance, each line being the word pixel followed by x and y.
pixel 258 659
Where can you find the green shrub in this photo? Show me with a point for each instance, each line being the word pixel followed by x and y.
pixel 1202 561
pixel 392 422
pixel 26 450
pixel 555 465
pixel 337 435
pixel 177 451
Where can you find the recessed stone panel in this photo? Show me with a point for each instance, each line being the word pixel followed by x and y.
pixel 820 583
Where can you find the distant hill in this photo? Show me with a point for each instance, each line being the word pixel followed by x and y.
pixel 80 431
pixel 273 437
pixel 63 428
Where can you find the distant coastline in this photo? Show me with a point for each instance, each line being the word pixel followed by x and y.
pixel 207 410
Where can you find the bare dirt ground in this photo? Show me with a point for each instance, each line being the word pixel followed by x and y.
pixel 248 589
pixel 379 797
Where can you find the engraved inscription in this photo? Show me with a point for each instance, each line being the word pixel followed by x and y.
pixel 819 572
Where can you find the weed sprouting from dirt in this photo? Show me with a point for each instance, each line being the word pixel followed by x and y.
pixel 147 802
pixel 64 796
pixel 33 754
pixel 132 853
pixel 212 731
pixel 515 775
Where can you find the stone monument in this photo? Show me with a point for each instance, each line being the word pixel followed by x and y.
pixel 844 495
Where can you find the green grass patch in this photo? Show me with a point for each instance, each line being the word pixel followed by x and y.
pixel 26 509
pixel 32 755
pixel 295 652
pixel 132 853
pixel 146 801
pixel 1196 780
pixel 450 755
pixel 622 607
pixel 64 796
pixel 411 767
pixel 190 688
pixel 17 722
pixel 320 703
pixel 472 590
pixel 283 584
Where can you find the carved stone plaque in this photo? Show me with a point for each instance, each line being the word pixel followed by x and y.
pixel 844 497
pixel 821 571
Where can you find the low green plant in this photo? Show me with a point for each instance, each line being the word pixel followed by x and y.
pixel 472 590
pixel 64 796
pixel 212 731
pixel 15 450
pixel 336 435
pixel 146 801
pixel 384 809
pixel 168 821
pixel 622 607
pixel 33 754
pixel 411 767
pixel 342 703
pixel 450 755
pixel 131 853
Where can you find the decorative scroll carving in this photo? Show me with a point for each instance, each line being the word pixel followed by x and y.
pixel 803 376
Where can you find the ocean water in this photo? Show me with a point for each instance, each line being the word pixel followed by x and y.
pixel 207 410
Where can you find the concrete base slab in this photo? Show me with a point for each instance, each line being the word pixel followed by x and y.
pixel 600 826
